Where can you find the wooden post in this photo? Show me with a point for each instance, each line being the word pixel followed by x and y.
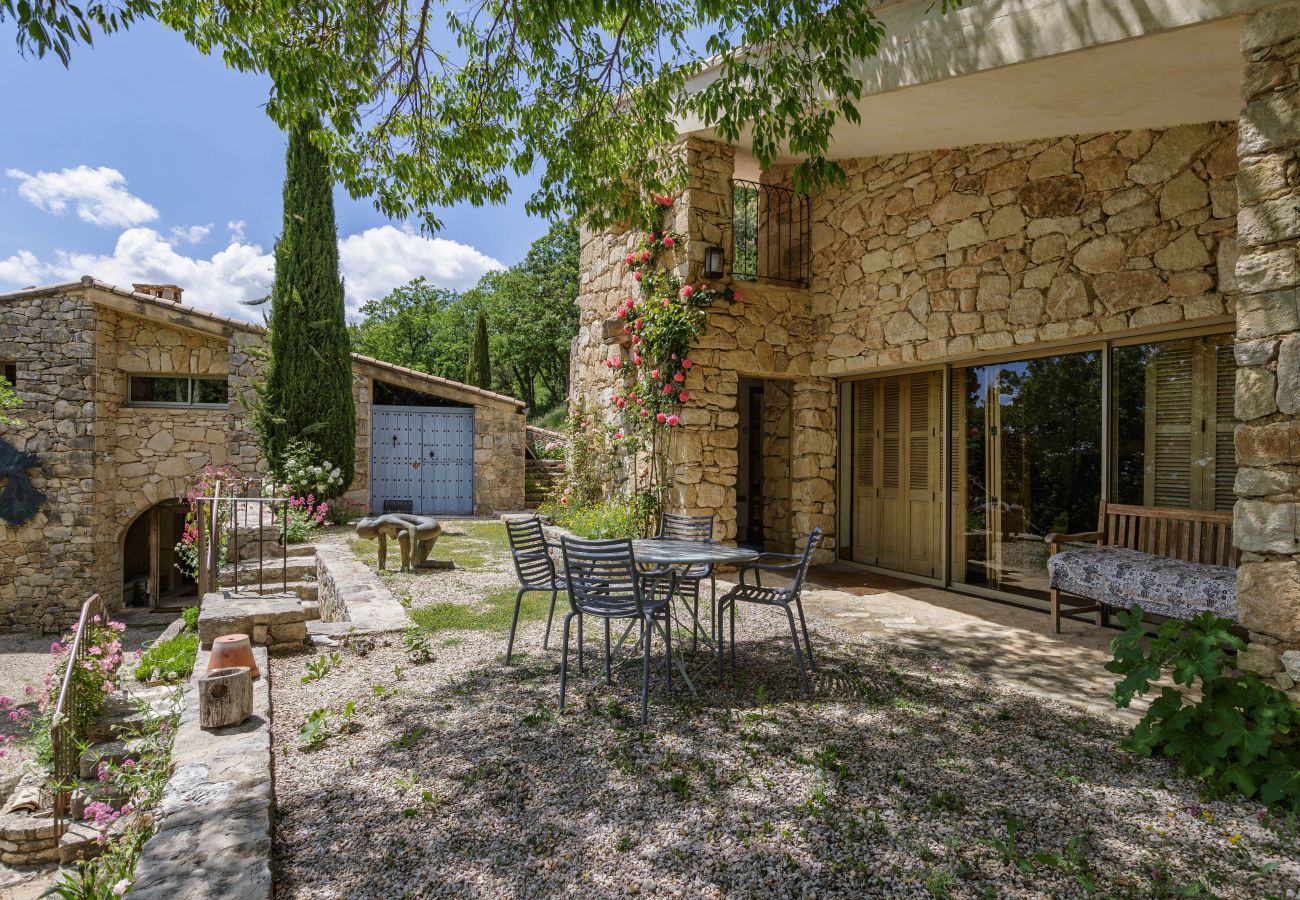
pixel 225 697
pixel 155 557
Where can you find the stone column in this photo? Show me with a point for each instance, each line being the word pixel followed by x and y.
pixel 812 466
pixel 1266 518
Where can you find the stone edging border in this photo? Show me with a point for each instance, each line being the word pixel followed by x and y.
pixel 217 811
pixel 350 592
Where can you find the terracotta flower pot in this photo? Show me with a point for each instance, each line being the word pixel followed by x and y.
pixel 232 650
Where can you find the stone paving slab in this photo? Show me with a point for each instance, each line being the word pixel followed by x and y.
pixel 216 814
pixel 267 619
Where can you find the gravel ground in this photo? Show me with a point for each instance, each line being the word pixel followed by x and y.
pixel 900 776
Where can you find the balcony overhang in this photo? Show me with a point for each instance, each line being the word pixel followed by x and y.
pixel 1014 70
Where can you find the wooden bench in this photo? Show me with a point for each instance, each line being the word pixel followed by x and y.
pixel 1199 541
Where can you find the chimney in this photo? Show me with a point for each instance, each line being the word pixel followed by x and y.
pixel 171 292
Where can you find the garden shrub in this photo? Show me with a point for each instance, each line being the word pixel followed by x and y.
pixel 630 517
pixel 1241 734
pixel 191 616
pixel 171 661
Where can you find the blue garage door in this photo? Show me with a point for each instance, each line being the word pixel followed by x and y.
pixel 424 456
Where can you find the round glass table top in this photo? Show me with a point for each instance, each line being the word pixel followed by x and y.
pixel 669 553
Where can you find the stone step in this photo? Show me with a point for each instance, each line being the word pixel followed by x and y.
pixel 303 590
pixel 113 752
pixel 312 610
pixel 121 716
pixel 272 549
pixel 80 842
pixel 295 568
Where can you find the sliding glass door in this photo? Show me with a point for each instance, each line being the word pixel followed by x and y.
pixel 1030 465
pixel 1030 444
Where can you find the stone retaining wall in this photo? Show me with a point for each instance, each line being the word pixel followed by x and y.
pixel 218 809
pixel 350 591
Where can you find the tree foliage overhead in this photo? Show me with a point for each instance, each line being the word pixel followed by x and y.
pixel 427 104
pixel 308 390
pixel 532 317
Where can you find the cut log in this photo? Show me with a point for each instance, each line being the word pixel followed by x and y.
pixel 225 697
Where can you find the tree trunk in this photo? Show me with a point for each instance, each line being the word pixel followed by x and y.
pixel 225 697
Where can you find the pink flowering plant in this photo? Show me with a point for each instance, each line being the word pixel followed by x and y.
pixel 95 677
pixel 303 516
pixel 125 817
pixel 204 486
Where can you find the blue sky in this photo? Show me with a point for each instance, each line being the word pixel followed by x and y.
pixel 146 161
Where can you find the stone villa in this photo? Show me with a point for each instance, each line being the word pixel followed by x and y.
pixel 127 394
pixel 1063 269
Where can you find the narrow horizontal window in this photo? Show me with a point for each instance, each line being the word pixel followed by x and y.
pixel 177 391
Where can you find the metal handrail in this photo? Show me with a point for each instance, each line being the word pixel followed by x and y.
pixel 239 495
pixel 64 739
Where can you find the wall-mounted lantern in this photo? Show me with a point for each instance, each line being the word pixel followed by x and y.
pixel 713 261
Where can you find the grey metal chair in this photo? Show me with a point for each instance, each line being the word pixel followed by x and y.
pixel 794 565
pixel 535 570
pixel 604 582
pixel 678 527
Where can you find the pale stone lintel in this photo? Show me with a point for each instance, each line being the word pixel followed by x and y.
pixel 214 834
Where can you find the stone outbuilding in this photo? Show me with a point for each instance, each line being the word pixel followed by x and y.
pixel 1061 269
pixel 127 394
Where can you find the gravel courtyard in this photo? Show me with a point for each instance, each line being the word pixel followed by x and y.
pixel 902 775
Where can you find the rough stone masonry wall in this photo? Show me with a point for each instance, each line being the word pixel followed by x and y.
pixel 765 336
pixel 53 341
pixel 1266 519
pixel 925 256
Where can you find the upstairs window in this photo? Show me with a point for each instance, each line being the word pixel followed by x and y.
pixel 148 390
pixel 770 225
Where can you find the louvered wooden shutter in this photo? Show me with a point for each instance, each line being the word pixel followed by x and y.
pixel 918 432
pixel 1169 424
pixel 1220 495
pixel 891 434
pixel 865 464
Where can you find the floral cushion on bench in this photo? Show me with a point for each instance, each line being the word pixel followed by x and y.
pixel 1121 577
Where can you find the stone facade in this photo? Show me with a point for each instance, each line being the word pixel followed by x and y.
pixel 1266 520
pixel 952 253
pixel 924 258
pixel 103 461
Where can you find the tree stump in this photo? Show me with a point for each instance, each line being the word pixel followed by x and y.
pixel 225 697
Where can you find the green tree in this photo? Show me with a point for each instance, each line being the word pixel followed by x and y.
pixel 478 371
pixel 8 400
pixel 308 388
pixel 418 326
pixel 430 104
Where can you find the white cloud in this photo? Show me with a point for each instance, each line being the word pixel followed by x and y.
pixel 372 263
pixel 99 195
pixel 236 229
pixel 191 234
pixel 379 259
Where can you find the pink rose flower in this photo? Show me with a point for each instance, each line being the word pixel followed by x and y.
pixel 636 276
pixel 687 291
pixel 673 421
pixel 660 418
pixel 686 364
pixel 683 397
pixel 679 378
pixel 630 259
pixel 668 240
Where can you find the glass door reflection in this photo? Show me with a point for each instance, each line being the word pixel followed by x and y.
pixel 1027 462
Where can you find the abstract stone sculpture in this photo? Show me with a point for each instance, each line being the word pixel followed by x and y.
pixel 19 500
pixel 415 535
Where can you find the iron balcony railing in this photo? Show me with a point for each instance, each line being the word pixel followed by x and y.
pixel 66 737
pixel 771 226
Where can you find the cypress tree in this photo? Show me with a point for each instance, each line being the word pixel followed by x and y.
pixel 479 370
pixel 308 389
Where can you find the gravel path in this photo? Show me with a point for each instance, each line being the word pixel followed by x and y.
pixel 899 777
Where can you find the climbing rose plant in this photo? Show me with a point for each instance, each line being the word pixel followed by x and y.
pixel 663 319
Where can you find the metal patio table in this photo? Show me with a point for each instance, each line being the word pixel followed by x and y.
pixel 661 552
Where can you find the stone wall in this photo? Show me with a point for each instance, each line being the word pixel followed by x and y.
pixel 1266 519
pixel 930 256
pixel 104 462
pixel 933 256
pixel 53 342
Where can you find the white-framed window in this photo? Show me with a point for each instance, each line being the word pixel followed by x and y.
pixel 178 390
